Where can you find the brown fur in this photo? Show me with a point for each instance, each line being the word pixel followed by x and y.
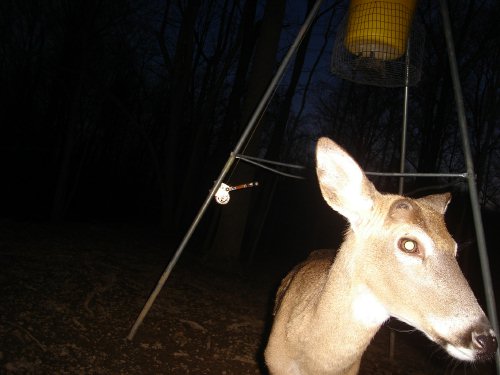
pixel 397 259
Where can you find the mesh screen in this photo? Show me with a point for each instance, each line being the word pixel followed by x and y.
pixel 372 42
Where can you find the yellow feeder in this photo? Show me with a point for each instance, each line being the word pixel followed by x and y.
pixel 379 29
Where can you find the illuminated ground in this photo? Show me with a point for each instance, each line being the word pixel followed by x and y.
pixel 69 297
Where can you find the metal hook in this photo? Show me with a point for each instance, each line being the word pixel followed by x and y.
pixel 222 195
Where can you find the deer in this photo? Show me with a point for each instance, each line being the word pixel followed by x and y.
pixel 397 259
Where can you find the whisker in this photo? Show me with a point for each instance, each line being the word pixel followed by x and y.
pixel 400 330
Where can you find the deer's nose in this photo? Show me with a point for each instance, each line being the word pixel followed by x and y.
pixel 485 343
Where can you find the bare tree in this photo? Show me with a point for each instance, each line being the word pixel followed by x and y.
pixel 229 235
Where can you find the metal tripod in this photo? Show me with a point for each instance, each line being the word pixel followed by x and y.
pixel 469 174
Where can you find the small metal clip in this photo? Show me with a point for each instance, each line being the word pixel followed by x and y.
pixel 222 195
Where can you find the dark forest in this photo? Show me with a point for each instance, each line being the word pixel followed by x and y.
pixel 116 118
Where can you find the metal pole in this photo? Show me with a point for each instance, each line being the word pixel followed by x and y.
pixel 476 211
pixel 246 133
pixel 405 118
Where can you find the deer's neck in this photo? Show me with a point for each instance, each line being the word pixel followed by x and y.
pixel 348 310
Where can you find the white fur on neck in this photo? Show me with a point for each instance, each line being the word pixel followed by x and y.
pixel 366 308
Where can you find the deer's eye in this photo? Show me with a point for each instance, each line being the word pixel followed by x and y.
pixel 408 246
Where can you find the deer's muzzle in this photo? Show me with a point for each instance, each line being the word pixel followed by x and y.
pixel 485 344
pixel 479 344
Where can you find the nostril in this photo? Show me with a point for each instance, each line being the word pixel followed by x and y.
pixel 486 344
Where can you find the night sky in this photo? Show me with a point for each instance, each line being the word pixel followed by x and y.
pixel 99 123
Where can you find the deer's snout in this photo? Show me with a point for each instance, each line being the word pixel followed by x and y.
pixel 485 344
pixel 478 344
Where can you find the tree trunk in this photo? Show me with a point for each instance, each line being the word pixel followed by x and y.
pixel 262 202
pixel 248 40
pixel 229 235
pixel 179 89
pixel 66 98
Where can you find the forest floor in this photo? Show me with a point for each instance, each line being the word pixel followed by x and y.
pixel 70 295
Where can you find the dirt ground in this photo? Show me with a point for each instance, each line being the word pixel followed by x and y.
pixel 70 295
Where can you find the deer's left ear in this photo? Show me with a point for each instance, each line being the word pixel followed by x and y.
pixel 439 202
pixel 343 184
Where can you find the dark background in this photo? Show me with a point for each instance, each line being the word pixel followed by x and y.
pixel 117 116
pixel 126 111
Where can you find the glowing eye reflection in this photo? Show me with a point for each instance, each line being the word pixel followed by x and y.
pixel 408 246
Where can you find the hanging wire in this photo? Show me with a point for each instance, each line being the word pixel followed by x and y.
pixel 262 164
pixel 251 159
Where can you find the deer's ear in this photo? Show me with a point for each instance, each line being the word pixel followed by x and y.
pixel 343 184
pixel 439 202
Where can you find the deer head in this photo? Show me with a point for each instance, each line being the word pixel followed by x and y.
pixel 397 259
